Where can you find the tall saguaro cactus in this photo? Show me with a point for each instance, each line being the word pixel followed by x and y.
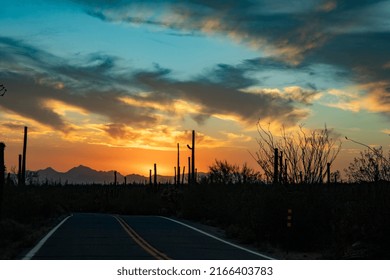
pixel 192 148
pixel 23 177
pixel 155 175
pixel 20 170
pixel 2 178
pixel 178 164
pixel 189 170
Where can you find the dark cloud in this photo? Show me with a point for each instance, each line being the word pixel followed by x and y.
pixel 343 32
pixel 286 29
pixel 220 94
pixel 116 130
pixel 230 76
pixel 13 126
pixel 98 85
pixel 94 87
pixel 365 57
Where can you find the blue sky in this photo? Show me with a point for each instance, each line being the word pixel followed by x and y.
pixel 131 75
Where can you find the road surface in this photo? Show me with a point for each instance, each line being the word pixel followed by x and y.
pixel 105 237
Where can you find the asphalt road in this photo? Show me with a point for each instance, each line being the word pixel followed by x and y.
pixel 105 237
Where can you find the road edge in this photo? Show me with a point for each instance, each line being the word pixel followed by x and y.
pixel 39 245
pixel 217 238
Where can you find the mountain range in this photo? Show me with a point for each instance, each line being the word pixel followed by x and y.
pixel 86 175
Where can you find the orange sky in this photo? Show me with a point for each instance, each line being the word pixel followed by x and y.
pixel 63 155
pixel 117 86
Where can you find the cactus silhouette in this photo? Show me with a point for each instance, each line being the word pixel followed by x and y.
pixel 20 170
pixel 155 175
pixel 189 170
pixel 2 173
pixel 192 148
pixel 23 175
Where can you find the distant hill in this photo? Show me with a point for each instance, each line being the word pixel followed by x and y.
pixel 86 175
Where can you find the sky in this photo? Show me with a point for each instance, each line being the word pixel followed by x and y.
pixel 115 85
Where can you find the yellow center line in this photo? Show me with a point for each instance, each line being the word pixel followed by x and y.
pixel 141 242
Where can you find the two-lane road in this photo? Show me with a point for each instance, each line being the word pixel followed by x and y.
pixel 104 237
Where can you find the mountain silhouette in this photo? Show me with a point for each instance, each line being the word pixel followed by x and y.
pixel 86 175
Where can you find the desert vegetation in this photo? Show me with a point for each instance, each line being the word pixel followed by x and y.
pixel 337 220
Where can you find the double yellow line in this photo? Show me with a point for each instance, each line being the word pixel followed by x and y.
pixel 140 241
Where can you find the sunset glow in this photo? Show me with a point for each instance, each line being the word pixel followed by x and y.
pixel 115 85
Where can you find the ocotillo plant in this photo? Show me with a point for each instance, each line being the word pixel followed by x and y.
pixel 276 176
pixel 2 173
pixel 192 148
pixel 23 181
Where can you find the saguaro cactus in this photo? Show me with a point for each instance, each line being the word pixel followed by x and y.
pixel 178 164
pixel 328 172
pixel 20 170
pixel 155 175
pixel 189 170
pixel 2 174
pixel 281 167
pixel 23 177
pixel 192 148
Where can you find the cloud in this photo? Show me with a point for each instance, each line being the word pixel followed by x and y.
pixel 378 98
pixel 351 35
pixel 281 29
pixel 373 97
pixel 96 97
pixel 35 76
pixel 220 93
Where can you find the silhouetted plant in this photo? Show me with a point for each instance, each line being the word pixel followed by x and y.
pixel 305 153
pixel 370 166
pixel 222 172
pixel 192 148
pixel 335 177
